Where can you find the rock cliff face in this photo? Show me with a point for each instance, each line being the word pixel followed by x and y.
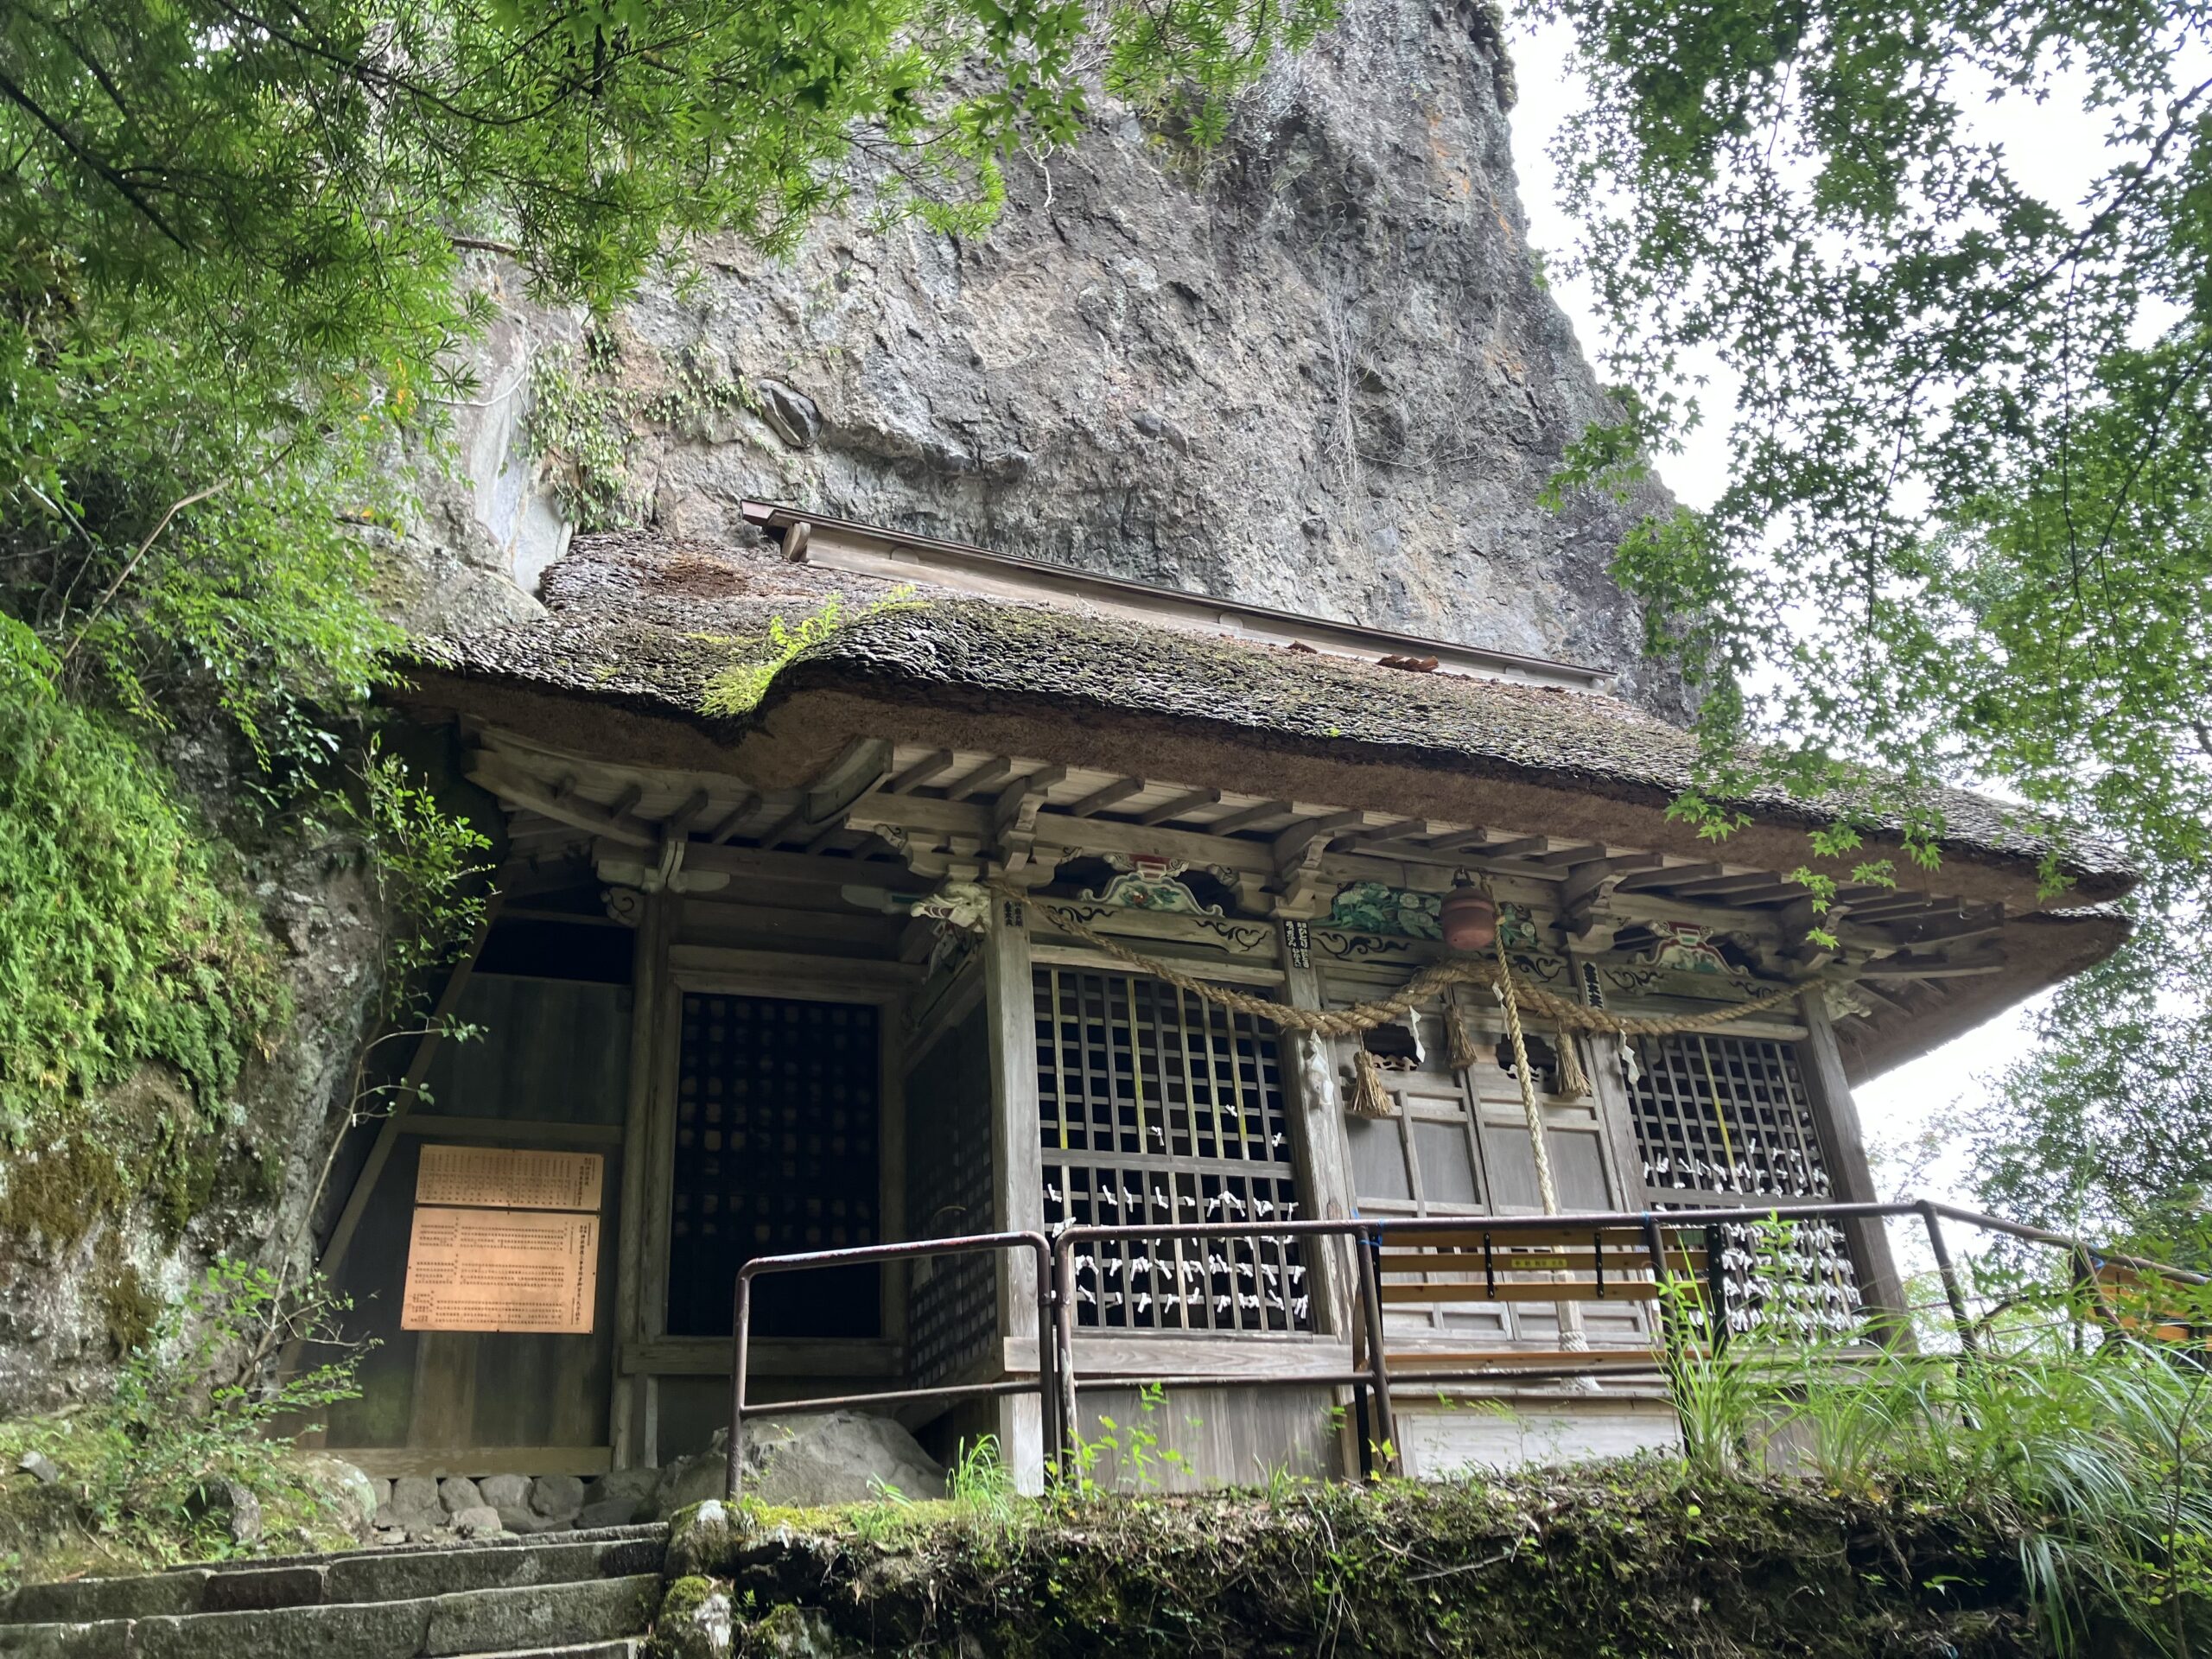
pixel 1316 369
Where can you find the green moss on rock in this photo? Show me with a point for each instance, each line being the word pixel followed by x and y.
pixel 696 1621
pixel 1611 1560
pixel 134 977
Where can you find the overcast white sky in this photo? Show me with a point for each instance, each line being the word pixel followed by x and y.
pixel 2057 147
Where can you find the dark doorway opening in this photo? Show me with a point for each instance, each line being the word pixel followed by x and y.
pixel 777 1151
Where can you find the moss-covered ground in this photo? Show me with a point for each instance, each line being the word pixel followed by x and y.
pixel 80 1523
pixel 1616 1559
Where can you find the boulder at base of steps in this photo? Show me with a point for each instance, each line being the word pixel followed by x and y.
pixel 581 1596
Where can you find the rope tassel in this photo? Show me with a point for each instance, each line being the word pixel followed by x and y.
pixel 1369 1098
pixel 1465 1057
pixel 1573 1081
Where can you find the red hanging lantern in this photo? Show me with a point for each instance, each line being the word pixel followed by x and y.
pixel 1469 917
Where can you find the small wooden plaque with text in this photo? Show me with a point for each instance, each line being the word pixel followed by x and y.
pixel 504 1239
pixel 503 1178
pixel 501 1270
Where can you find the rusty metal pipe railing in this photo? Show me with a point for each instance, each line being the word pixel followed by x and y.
pixel 2044 1236
pixel 1056 1383
pixel 1374 1377
pixel 742 1335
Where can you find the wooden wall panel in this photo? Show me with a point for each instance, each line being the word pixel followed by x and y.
pixel 552 1061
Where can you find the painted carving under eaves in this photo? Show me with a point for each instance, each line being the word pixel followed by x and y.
pixel 1375 907
pixel 1154 884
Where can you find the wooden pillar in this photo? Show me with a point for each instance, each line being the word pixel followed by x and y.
pixel 1323 1154
pixel 648 973
pixel 1603 1052
pixel 1018 1167
pixel 1835 1114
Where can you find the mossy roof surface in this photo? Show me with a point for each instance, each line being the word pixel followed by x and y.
pixel 647 622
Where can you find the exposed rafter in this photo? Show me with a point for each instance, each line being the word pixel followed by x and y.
pixel 1519 849
pixel 1721 886
pixel 1459 841
pixel 987 776
pixel 1181 807
pixel 747 803
pixel 510 784
pixel 1667 876
pixel 1568 857
pixel 1099 800
pixel 930 766
pixel 1244 817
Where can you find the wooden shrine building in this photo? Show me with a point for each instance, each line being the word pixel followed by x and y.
pixel 795 976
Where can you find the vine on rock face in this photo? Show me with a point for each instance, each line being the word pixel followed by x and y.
pixel 124 940
pixel 585 420
pixel 173 1464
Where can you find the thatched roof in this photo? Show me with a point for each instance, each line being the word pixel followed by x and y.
pixel 644 624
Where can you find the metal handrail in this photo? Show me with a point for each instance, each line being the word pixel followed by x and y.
pixel 1056 1383
pixel 1377 1377
pixel 741 1320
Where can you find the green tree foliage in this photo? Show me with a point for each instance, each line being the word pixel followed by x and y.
pixel 236 242
pixel 1966 532
pixel 2106 1129
pixel 234 284
pixel 1967 525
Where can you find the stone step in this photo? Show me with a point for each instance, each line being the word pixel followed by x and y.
pixel 366 1575
pixel 628 1648
pixel 521 1618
